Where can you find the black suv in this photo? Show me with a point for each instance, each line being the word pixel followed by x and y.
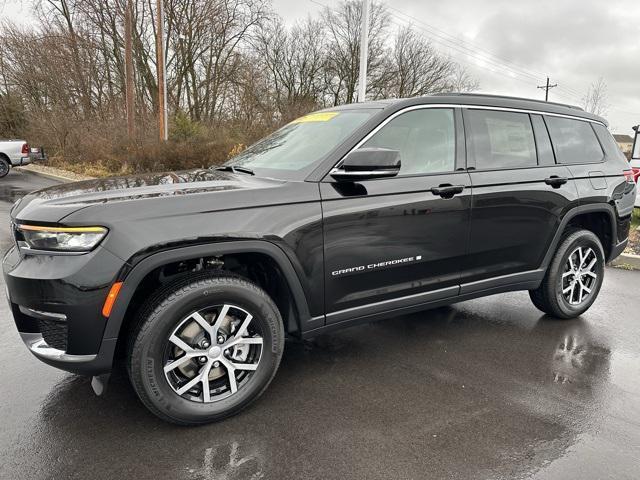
pixel 346 215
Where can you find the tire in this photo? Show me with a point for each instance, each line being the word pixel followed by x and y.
pixel 556 296
pixel 170 314
pixel 5 166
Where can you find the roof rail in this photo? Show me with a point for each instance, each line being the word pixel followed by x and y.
pixel 506 97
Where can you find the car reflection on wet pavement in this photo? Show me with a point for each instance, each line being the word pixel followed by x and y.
pixel 488 388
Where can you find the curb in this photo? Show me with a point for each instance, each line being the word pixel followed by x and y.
pixel 628 260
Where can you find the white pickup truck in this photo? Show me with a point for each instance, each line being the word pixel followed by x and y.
pixel 14 153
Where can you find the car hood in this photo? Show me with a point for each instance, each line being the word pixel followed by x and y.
pixel 53 204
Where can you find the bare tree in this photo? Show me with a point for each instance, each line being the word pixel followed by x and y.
pixel 343 49
pixel 295 61
pixel 415 68
pixel 595 100
pixel 461 81
pixel 235 71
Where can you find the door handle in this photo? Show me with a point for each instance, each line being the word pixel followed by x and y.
pixel 447 190
pixel 556 181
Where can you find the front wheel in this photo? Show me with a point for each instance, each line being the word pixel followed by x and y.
pixel 574 277
pixel 205 348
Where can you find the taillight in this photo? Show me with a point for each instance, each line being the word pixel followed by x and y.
pixel 25 149
pixel 636 173
pixel 630 175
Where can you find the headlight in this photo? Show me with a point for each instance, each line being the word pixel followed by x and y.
pixel 67 239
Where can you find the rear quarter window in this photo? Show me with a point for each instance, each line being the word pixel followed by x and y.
pixel 608 142
pixel 574 141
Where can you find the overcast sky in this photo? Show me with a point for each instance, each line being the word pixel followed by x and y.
pixel 510 46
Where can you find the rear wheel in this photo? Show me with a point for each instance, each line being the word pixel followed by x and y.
pixel 205 348
pixel 574 277
pixel 4 167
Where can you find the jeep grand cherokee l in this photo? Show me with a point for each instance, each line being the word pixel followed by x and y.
pixel 346 215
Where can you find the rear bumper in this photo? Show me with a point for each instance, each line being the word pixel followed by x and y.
pixel 56 301
pixel 27 159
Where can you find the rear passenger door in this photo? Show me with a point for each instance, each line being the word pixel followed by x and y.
pixel 519 195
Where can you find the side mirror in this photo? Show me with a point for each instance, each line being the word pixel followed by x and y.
pixel 368 163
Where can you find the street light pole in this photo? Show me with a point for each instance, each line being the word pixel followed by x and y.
pixel 364 51
pixel 161 60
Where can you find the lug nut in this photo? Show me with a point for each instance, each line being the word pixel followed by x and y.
pixel 220 339
pixel 202 359
pixel 216 364
pixel 205 344
pixel 227 352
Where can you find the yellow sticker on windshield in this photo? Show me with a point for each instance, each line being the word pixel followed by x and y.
pixel 317 117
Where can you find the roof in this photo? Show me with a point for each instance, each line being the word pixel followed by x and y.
pixel 473 99
pixel 620 138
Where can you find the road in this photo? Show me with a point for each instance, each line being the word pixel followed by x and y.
pixel 488 388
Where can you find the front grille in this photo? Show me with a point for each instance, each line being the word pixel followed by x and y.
pixel 54 333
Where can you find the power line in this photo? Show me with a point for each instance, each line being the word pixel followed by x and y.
pixel 476 48
pixel 460 48
pixel 485 59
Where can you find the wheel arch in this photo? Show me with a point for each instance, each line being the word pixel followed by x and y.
pixel 584 216
pixel 134 277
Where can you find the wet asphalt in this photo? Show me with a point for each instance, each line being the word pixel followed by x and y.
pixel 485 389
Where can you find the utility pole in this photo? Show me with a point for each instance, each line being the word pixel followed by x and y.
pixel 364 51
pixel 128 69
pixel 546 88
pixel 161 60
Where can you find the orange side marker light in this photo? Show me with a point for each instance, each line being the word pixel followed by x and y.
pixel 111 299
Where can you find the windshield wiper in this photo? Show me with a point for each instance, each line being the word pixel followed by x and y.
pixel 235 169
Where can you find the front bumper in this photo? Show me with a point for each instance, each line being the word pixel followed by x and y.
pixel 94 364
pixel 56 301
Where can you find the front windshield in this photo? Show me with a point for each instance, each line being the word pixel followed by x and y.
pixel 299 145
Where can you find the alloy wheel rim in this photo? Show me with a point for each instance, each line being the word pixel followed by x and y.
pixel 212 353
pixel 4 168
pixel 579 276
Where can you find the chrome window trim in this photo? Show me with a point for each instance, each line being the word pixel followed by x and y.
pixel 454 106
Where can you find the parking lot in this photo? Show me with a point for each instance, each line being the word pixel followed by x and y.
pixel 487 388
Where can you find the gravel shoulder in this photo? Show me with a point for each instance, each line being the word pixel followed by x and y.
pixel 56 173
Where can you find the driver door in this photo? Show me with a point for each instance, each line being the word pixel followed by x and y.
pixel 399 242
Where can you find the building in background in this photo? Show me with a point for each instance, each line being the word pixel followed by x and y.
pixel 625 142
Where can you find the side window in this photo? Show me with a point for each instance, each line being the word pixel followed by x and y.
pixel 574 141
pixel 501 139
pixel 608 142
pixel 425 139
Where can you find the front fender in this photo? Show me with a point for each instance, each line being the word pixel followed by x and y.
pixel 131 279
